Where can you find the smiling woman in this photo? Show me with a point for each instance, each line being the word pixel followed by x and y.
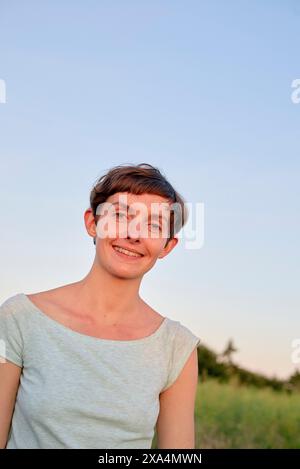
pixel 91 364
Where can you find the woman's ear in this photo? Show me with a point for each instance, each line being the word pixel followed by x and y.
pixel 168 248
pixel 90 223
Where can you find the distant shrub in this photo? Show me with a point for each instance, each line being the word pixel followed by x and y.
pixel 212 365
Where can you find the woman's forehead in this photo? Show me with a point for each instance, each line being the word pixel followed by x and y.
pixel 141 201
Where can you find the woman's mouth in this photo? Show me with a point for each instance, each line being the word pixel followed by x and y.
pixel 126 254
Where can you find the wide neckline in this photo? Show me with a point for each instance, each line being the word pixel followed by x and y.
pixel 70 331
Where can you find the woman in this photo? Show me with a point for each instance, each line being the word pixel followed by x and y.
pixel 90 364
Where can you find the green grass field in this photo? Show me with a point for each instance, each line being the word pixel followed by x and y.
pixel 229 416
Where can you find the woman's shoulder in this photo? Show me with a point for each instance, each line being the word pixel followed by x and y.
pixel 178 336
pixel 180 328
pixel 183 342
pixel 14 312
pixel 12 304
pixel 12 328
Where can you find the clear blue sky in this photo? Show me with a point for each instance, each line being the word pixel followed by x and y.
pixel 202 89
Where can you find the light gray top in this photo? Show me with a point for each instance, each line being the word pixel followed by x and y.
pixel 79 391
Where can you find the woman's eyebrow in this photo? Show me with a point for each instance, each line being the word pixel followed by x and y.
pixel 154 215
pixel 121 204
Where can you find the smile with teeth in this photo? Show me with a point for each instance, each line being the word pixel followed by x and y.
pixel 128 253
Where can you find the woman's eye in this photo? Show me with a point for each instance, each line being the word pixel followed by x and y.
pixel 155 226
pixel 119 214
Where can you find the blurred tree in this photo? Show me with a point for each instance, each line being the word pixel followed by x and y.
pixel 229 350
pixel 294 381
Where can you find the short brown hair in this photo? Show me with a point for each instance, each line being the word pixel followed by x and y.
pixel 138 179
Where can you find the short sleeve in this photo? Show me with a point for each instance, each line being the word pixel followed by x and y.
pixel 184 343
pixel 11 342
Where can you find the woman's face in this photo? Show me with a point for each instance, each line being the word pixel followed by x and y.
pixel 138 223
